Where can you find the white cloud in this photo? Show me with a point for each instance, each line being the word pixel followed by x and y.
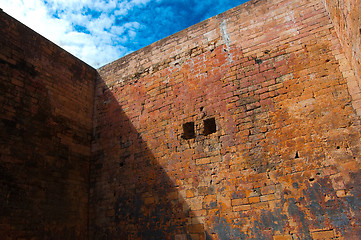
pixel 57 21
pixel 138 2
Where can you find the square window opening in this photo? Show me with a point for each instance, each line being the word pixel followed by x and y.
pixel 188 130
pixel 209 126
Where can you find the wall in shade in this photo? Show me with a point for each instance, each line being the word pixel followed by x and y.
pixel 46 106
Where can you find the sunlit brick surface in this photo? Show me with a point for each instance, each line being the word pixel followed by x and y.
pixel 284 160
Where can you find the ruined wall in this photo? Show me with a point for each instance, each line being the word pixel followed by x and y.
pixel 46 105
pixel 244 126
pixel 346 17
pixel 240 127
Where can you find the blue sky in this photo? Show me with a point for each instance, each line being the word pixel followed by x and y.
pixel 101 31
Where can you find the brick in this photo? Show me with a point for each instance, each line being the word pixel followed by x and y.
pixel 240 208
pixel 268 189
pixel 203 161
pixel 283 237
pixel 196 228
pixel 195 203
pixel 266 198
pixel 189 193
pixel 254 199
pixel 240 201
pixel 328 234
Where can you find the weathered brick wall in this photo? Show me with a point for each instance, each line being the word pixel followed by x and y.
pixel 46 105
pixel 346 18
pixel 284 162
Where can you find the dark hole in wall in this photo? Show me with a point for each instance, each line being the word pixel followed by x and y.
pixel 209 126
pixel 188 130
pixel 258 61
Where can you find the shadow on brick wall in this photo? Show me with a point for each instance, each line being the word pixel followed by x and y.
pixel 131 195
pixel 44 147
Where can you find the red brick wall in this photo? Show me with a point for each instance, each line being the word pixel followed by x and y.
pixel 46 104
pixel 284 160
pixel 346 18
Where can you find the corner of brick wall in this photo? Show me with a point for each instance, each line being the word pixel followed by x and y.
pixel 346 18
pixel 46 107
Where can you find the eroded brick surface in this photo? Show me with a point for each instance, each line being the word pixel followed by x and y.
pixel 244 126
pixel 46 104
pixel 284 160
pixel 346 18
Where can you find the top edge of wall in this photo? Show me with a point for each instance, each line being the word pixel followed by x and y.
pixel 2 12
pixel 247 6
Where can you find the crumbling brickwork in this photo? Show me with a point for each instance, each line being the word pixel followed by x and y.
pixel 244 126
pixel 46 105
pixel 283 162
pixel 346 18
pixel 347 22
